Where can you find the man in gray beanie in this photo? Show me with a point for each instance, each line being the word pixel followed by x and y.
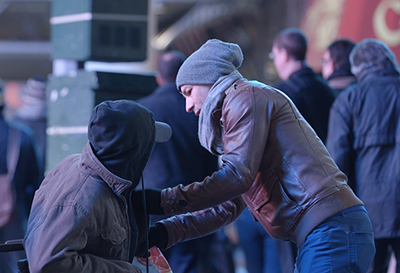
pixel 208 64
pixel 363 139
pixel 272 162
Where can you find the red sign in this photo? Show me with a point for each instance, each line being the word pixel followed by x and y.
pixel 327 20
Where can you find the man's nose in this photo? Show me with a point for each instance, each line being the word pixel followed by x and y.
pixel 189 105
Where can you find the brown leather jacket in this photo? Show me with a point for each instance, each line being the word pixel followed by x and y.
pixel 273 161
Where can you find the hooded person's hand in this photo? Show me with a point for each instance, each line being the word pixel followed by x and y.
pixel 158 236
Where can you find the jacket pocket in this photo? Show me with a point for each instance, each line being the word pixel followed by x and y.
pixel 114 234
pixel 276 211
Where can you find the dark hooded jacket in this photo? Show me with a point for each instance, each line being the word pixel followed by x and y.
pixel 364 140
pixel 80 219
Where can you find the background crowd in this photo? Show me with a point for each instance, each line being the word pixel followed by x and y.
pixel 353 105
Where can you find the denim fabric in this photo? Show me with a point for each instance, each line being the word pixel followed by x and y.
pixel 342 243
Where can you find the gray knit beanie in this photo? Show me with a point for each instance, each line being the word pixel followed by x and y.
pixel 211 61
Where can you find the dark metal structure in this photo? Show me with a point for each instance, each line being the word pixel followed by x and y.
pixel 25 42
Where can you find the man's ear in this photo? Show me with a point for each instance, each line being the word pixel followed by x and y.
pixel 333 66
pixel 285 54
pixel 159 80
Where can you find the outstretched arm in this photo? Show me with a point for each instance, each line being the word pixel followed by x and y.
pixel 245 132
pixel 201 223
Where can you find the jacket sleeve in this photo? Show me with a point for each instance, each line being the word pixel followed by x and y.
pixel 188 226
pixel 57 247
pixel 245 122
pixel 340 136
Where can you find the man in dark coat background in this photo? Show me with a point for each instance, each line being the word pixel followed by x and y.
pixel 363 139
pixel 309 92
pixel 20 164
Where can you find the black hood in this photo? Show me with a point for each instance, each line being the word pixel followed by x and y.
pixel 122 135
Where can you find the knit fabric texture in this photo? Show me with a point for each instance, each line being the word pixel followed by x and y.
pixel 212 60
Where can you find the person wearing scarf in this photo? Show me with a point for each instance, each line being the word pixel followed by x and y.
pixel 273 162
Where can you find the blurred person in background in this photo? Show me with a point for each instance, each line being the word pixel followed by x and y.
pixel 335 65
pixel 263 253
pixel 364 140
pixel 309 92
pixel 272 162
pixel 179 161
pixel 20 176
pixel 33 111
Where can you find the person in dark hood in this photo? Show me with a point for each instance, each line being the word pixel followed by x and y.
pixel 82 218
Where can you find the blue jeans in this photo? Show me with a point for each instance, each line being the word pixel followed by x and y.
pixel 342 243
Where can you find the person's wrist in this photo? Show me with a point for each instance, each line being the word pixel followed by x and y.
pixel 158 236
